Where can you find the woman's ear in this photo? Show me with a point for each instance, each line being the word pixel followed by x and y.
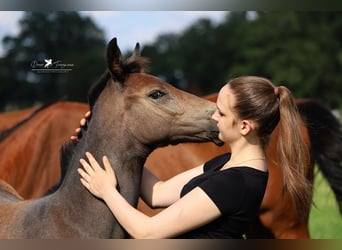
pixel 246 126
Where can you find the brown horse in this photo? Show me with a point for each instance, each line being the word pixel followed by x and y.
pixel 278 216
pixel 31 146
pixel 131 116
pixel 325 137
pixel 9 119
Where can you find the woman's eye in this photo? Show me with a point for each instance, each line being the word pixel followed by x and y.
pixel 221 114
pixel 155 94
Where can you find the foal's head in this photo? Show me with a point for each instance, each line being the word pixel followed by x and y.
pixel 146 109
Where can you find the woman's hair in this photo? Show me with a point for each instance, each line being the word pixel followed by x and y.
pixel 257 99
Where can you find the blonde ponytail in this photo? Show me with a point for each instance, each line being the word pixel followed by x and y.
pixel 293 153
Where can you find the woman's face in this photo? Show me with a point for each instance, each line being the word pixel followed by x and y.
pixel 227 122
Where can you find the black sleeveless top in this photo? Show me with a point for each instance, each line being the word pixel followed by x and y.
pixel 237 192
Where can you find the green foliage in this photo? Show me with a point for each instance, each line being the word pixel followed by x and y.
pixel 301 50
pixel 64 37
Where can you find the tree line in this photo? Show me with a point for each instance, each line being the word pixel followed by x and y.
pixel 301 50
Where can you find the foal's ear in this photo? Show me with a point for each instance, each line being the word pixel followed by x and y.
pixel 120 69
pixel 114 60
pixel 136 52
pixel 134 57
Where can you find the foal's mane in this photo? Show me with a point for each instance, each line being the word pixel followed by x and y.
pixel 134 64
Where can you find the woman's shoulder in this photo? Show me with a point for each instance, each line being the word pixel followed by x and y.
pixel 216 162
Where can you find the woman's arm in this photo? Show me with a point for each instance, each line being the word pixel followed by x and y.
pixel 157 193
pixel 191 211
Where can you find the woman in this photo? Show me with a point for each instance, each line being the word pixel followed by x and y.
pixel 218 199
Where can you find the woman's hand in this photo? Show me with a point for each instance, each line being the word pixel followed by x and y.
pixel 83 123
pixel 97 180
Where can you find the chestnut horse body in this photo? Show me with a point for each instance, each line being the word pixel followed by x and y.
pixel 278 217
pixel 31 145
pixel 8 119
pixel 131 115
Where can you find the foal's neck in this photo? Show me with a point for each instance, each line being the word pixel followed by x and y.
pixel 127 158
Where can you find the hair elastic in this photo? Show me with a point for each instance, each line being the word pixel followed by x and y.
pixel 276 91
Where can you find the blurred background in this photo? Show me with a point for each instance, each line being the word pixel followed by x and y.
pixel 194 50
pixel 50 56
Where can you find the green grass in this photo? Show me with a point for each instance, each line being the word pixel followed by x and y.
pixel 325 222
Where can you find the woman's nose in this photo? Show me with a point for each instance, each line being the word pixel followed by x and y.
pixel 214 116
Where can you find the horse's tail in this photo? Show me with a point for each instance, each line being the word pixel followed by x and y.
pixel 326 143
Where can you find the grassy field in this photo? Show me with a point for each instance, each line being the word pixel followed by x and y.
pixel 325 222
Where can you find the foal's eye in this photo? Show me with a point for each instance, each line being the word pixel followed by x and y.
pixel 155 94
